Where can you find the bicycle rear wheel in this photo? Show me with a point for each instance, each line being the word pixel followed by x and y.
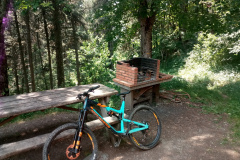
pixel 60 142
pixel 149 138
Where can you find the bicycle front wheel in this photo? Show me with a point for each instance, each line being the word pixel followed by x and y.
pixel 60 142
pixel 148 138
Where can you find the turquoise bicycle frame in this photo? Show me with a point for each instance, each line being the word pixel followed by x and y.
pixel 122 131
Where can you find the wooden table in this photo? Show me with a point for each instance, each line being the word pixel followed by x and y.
pixel 12 106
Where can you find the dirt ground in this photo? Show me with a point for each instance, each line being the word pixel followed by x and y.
pixel 187 134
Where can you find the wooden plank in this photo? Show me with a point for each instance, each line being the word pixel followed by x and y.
pixel 141 85
pixel 71 91
pixel 46 92
pixel 7 150
pixel 140 92
pixel 15 105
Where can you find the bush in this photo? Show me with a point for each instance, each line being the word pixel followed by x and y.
pixel 216 52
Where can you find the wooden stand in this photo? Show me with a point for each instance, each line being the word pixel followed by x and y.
pixel 141 92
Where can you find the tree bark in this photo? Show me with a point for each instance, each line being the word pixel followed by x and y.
pixel 48 48
pixel 21 53
pixel 4 91
pixel 41 62
pixel 58 43
pixel 75 39
pixel 29 49
pixel 15 63
pixel 146 36
pixel 146 26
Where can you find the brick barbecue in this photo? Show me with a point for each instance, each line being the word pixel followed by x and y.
pixel 139 71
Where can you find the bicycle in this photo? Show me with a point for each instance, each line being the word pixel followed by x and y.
pixel 143 129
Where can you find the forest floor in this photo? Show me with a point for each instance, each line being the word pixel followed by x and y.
pixel 187 134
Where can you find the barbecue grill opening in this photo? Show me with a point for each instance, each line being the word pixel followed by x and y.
pixel 147 68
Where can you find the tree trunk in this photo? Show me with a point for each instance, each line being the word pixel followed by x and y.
pixel 48 48
pixel 146 35
pixel 75 39
pixel 15 63
pixel 29 49
pixel 41 62
pixel 21 53
pixel 58 43
pixel 111 50
pixel 146 25
pixel 4 6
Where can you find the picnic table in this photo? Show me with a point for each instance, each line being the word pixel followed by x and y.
pixel 12 106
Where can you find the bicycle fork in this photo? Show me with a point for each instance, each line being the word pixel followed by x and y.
pixel 78 134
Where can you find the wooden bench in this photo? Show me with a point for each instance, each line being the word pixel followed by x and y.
pixel 13 106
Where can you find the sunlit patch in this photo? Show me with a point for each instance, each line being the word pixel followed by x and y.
pixel 21 122
pixel 199 140
pixel 232 153
pixel 23 134
pixel 203 71
pixel 35 130
pixel 118 158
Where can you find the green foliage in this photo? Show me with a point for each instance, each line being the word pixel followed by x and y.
pixel 95 62
pixel 212 65
pixel 210 74
pixel 119 20
pixel 46 4
pixel 177 22
pixel 96 65
pixel 214 52
pixel 213 97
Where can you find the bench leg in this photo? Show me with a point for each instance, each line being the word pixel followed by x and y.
pixel 156 92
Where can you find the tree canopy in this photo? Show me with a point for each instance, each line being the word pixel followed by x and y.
pixel 46 40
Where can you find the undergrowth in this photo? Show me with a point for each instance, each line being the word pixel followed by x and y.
pixel 213 84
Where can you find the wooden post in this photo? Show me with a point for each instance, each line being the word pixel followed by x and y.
pixel 156 88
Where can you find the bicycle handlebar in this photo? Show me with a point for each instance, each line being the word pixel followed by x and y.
pixel 93 88
pixel 86 94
